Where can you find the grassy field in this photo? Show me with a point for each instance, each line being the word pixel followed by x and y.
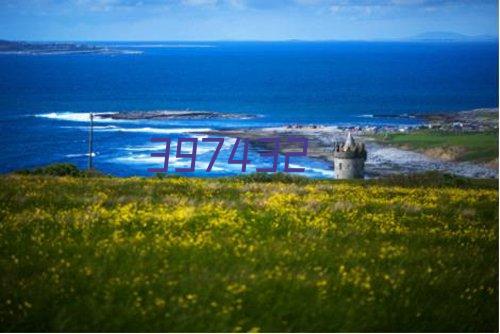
pixel 481 147
pixel 247 254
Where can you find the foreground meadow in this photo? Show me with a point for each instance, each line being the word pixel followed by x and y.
pixel 109 254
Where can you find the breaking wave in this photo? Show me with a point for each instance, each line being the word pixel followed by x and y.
pixel 114 128
pixel 73 116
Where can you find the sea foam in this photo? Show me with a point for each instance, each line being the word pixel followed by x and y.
pixel 73 116
pixel 114 128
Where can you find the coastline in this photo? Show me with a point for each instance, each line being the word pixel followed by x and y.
pixel 57 48
pixel 393 147
pixel 471 123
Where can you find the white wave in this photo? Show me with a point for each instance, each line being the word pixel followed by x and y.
pixel 86 127
pixel 114 128
pixel 202 148
pixel 173 147
pixel 147 159
pixel 75 116
pixel 79 155
pixel 204 165
pixel 146 148
pixel 366 116
pixel 294 166
pixel 131 52
pixel 139 159
pixel 158 130
pixel 324 172
pixel 311 171
pixel 163 46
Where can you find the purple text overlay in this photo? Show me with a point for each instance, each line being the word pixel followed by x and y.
pixel 273 154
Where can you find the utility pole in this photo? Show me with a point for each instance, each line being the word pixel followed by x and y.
pixel 91 139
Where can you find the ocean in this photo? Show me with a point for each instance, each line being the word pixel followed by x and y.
pixel 45 99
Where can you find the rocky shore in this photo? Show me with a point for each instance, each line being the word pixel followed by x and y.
pixel 28 48
pixel 173 114
pixel 384 157
pixel 476 120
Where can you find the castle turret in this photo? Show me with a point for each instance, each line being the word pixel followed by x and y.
pixel 349 159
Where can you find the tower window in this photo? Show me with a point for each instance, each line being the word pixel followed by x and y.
pixel 340 166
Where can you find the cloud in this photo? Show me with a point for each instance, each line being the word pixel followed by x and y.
pixel 360 8
pixel 238 4
pixel 199 2
pixel 285 10
pixel 333 5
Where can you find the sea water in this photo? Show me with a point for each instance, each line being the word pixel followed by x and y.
pixel 45 100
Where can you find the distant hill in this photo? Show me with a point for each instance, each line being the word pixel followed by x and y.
pixel 452 37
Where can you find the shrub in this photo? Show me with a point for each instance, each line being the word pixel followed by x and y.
pixel 60 169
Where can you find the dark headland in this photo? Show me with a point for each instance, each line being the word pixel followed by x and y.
pixel 47 48
pixel 173 114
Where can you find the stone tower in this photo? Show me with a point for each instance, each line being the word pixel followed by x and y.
pixel 349 159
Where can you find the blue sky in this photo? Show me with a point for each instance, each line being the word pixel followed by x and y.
pixel 242 19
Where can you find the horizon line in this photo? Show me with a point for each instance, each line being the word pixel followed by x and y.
pixel 489 38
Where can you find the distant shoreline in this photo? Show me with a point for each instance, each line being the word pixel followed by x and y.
pixel 172 114
pixel 26 48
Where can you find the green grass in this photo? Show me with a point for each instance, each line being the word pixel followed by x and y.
pixel 475 146
pixel 248 254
